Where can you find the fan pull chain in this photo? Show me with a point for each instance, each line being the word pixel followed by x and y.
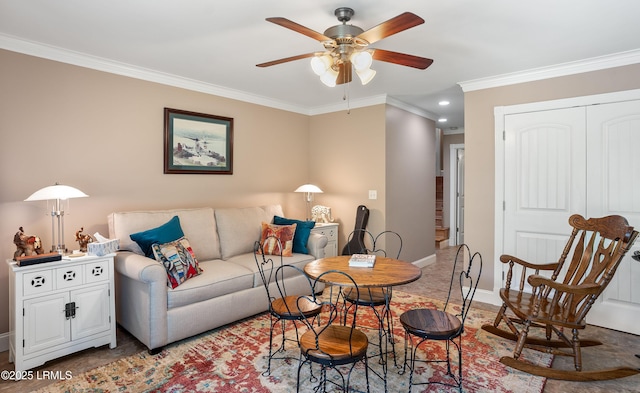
pixel 346 97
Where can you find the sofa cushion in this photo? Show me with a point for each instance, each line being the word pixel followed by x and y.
pixel 218 278
pixel 277 239
pixel 167 232
pixel 178 259
pixel 303 230
pixel 240 228
pixel 198 225
pixel 248 261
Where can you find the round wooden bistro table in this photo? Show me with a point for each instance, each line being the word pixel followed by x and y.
pixel 385 273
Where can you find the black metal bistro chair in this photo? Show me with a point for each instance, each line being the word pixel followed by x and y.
pixel 283 306
pixel 376 298
pixel 422 325
pixel 334 341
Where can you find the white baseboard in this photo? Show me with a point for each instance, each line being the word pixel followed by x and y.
pixel 4 342
pixel 487 296
pixel 426 261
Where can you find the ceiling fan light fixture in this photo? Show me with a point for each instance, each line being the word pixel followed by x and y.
pixel 366 75
pixel 329 78
pixel 320 64
pixel 361 60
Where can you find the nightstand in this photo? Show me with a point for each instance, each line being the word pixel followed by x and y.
pixel 57 308
pixel 330 230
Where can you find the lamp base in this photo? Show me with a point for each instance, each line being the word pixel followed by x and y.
pixel 62 250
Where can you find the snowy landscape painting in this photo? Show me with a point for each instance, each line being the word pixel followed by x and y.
pixel 197 143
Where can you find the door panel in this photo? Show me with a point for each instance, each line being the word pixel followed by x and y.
pixel 544 181
pixel 92 314
pixel 614 188
pixel 45 324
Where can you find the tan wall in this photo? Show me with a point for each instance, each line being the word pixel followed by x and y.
pixel 410 185
pixel 380 148
pixel 347 155
pixel 103 134
pixel 480 149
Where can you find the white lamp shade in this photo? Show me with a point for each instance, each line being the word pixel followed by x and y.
pixel 366 75
pixel 308 188
pixel 320 64
pixel 361 60
pixel 58 191
pixel 329 78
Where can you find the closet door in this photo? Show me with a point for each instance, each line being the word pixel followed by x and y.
pixel 544 180
pixel 613 187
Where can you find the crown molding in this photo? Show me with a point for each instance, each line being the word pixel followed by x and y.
pixel 54 53
pixel 411 109
pixel 575 67
pixel 347 104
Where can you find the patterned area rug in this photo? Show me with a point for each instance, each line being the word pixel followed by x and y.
pixel 232 359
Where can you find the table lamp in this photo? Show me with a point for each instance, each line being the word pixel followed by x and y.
pixel 57 193
pixel 308 190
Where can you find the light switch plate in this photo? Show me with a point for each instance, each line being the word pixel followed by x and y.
pixel 373 194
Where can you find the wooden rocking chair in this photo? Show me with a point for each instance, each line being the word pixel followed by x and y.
pixel 563 301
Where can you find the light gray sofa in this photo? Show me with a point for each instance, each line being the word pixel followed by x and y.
pixel 228 289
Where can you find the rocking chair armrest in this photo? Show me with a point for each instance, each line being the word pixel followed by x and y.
pixel 547 266
pixel 582 289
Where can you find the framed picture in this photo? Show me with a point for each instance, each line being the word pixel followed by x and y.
pixel 197 143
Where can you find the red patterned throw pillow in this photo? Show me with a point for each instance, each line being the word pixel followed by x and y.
pixel 178 259
pixel 277 239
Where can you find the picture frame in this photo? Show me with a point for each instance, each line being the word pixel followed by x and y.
pixel 197 143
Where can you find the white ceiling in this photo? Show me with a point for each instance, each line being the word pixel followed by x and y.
pixel 213 46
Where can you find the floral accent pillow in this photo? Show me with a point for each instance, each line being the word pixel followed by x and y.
pixel 178 259
pixel 277 239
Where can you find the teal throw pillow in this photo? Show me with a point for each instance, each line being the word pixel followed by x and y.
pixel 165 233
pixel 301 235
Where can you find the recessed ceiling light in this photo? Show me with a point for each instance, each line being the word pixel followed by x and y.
pixel 443 103
pixel 442 120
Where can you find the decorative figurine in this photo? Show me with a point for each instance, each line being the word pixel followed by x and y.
pixel 321 213
pixel 27 245
pixel 83 240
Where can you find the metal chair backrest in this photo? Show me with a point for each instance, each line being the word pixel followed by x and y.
pixel 333 302
pixel 266 265
pixel 372 244
pixel 464 281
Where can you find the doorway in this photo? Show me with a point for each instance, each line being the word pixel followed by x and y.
pixel 456 194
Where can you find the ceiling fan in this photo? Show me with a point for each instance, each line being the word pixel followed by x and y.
pixel 347 47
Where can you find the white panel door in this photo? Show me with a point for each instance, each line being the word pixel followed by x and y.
pixel 613 187
pixel 544 182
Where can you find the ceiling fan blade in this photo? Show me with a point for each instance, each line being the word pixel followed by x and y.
pixel 402 59
pixel 284 22
pixel 344 73
pixel 286 60
pixel 395 25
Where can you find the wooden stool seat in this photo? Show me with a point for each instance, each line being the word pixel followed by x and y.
pixel 337 344
pixel 430 323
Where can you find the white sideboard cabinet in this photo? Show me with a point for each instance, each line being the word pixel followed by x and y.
pixel 57 308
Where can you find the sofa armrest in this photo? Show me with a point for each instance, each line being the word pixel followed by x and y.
pixel 140 268
pixel 316 245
